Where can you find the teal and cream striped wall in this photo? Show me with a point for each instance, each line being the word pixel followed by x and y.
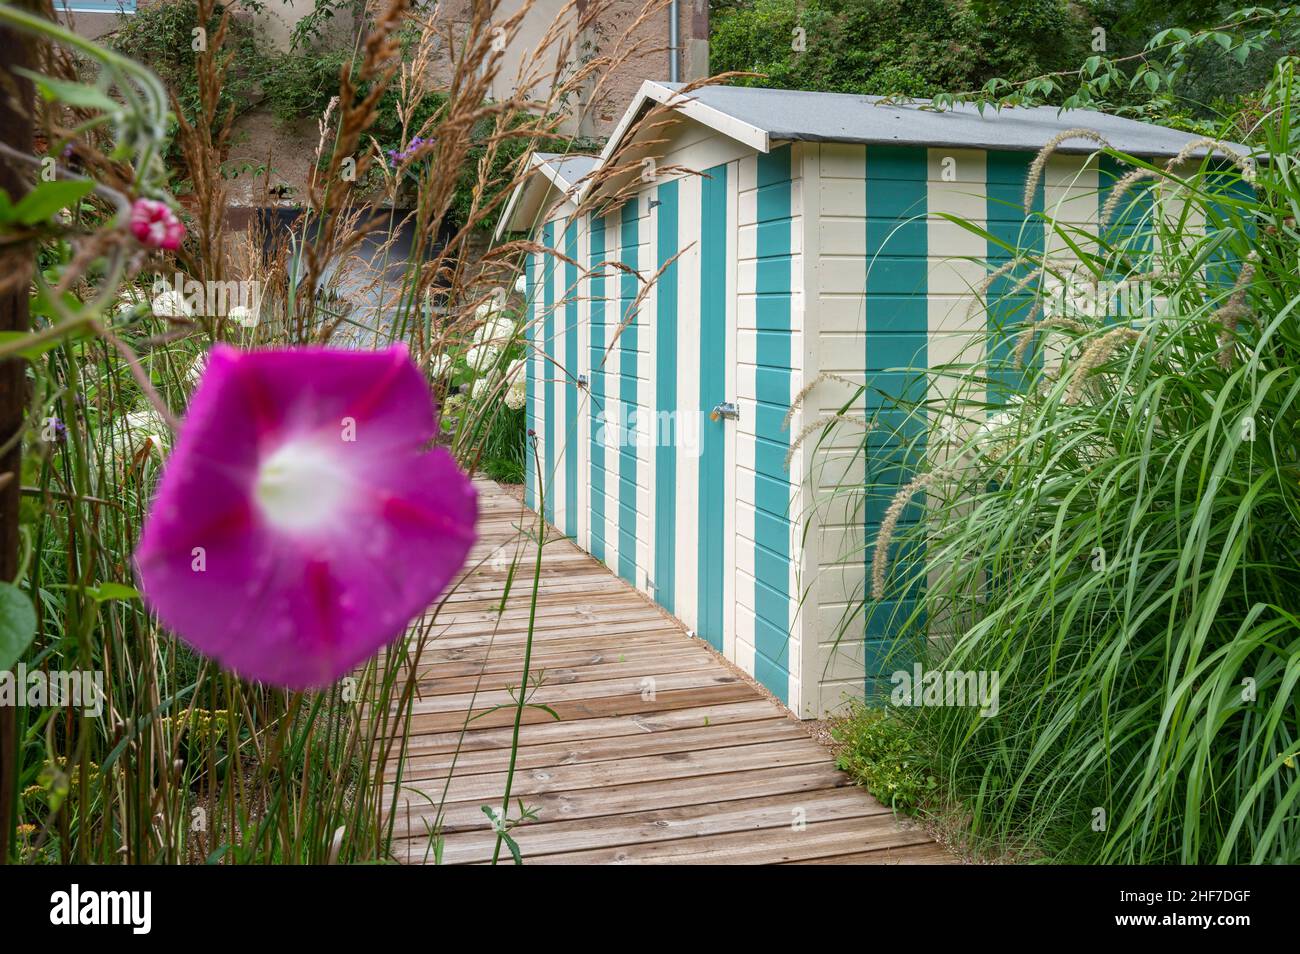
pixel 775 267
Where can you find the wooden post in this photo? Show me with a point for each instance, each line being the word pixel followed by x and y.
pixel 16 128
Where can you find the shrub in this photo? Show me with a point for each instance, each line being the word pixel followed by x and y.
pixel 884 755
pixel 159 34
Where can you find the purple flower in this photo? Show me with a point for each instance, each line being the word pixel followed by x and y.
pixel 397 157
pixel 301 521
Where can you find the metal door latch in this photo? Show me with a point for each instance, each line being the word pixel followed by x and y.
pixel 726 410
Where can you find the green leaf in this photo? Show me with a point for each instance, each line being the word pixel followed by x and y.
pixel 35 351
pixel 48 197
pixel 17 624
pixel 43 305
pixel 1152 79
pixel 217 854
pixel 514 848
pixel 73 94
pixel 113 591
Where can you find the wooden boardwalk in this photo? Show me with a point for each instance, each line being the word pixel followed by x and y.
pixel 661 752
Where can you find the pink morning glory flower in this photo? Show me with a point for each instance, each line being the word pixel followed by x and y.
pixel 302 520
pixel 154 224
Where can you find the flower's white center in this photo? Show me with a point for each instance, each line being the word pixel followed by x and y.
pixel 301 487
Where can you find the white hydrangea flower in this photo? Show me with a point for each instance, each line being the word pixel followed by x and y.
pixel 521 285
pixel 170 304
pixel 482 357
pixel 440 364
pixel 517 394
pixel 480 389
pixel 498 330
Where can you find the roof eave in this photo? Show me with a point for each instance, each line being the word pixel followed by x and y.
pixel 554 181
pixel 655 92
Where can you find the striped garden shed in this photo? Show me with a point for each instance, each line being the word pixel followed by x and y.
pixel 729 246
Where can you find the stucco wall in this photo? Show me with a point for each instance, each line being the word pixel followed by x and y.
pixel 598 109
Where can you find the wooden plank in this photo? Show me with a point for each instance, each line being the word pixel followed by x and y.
pixel 637 723
pixel 547 693
pixel 613 617
pixel 435 684
pixel 599 750
pixel 585 708
pixel 667 824
pixel 924 854
pixel 646 768
pixel 817 840
pixel 559 640
pixel 624 799
pixel 593 651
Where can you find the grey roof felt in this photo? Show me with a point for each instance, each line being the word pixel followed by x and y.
pixel 846 117
pixel 569 167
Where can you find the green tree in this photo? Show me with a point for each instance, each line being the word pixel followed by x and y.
pixel 904 47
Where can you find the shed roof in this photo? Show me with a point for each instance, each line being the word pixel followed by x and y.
pixel 762 117
pixel 550 172
pixel 568 169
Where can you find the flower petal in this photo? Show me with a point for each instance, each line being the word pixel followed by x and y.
pixel 300 602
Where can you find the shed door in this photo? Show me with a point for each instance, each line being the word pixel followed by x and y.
pixel 716 351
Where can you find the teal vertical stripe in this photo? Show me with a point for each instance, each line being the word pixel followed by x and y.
pixel 897 336
pixel 1131 224
pixel 713 391
pixel 1008 225
pixel 1225 214
pixel 773 301
pixel 548 372
pixel 666 370
pixel 627 469
pixel 596 387
pixel 530 414
pixel 570 448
